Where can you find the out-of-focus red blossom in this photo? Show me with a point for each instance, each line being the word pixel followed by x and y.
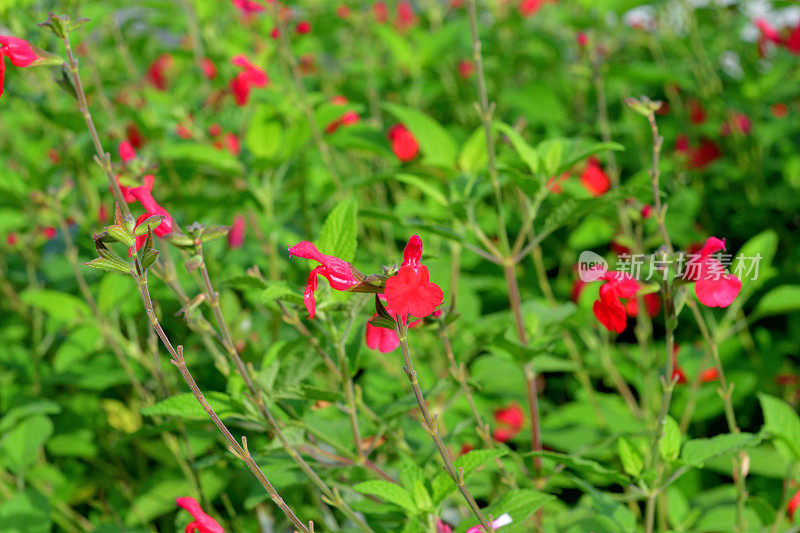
pixel 102 213
pixel 248 8
pixel 18 51
pixel 577 288
pixel 785 380
pixel 303 27
pixel 404 144
pixel 697 114
pixel 347 118
pixel 647 211
pixel 779 110
pixel 528 8
pixel 709 374
pixel 619 248
pixel 134 136
pixel 48 232
pixel 713 287
pixel 739 123
pixel 582 39
pixel 441 527
pixel 339 273
pixel 663 109
pixel 214 130
pixel 465 448
pixel 233 144
pixel 554 183
pixel 594 179
pixel 509 421
pixel 11 239
pixel 52 155
pixel 209 68
pixel 790 41
pixel 339 100
pixel 466 68
pixel 456 4
pixel 126 152
pixel 410 292
pixel 308 64
pixel 380 11
pixel 343 11
pixel 236 234
pixel 250 76
pixel 406 18
pixel 183 132
pixel 608 308
pixel 652 303
pixel 156 74
pixel 203 523
pixel 698 157
pixel 275 34
pixel 678 375
pixel 793 504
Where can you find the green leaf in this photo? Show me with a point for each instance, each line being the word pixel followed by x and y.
pixel 185 405
pixel 339 231
pixel 149 224
pixel 670 444
pixel 583 466
pixel 473 156
pixel 41 407
pixel 521 504
pixel 632 462
pixel 21 445
pixel 26 511
pixel 109 265
pixel 526 152
pixel 443 485
pixel 778 301
pixel 697 451
pixel 58 305
pixel 781 421
pixel 200 154
pixel 552 151
pixel 435 143
pixel 428 188
pixel 390 492
pixel 421 497
pixel 264 136
pixel 279 290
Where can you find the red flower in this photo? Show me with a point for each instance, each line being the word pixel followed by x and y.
pixel 713 287
pixel 608 308
pixel 236 234
pixel 779 110
pixel 554 183
pixel 209 68
pixel 791 507
pixel 410 292
pixel 582 39
pixel 349 117
pixel 339 100
pixel 441 527
pixel 528 8
pixel 739 123
pixel 380 11
pixel 384 340
pixel 406 17
pixel 18 51
pixel 202 523
pixel 156 73
pixel 510 421
pixel 11 239
pixel 594 179
pixel 214 130
pixel 102 214
pixel 466 68
pixel 342 12
pixel 134 136
pixel 340 274
pixel 250 76
pixel 404 144
pixel 275 34
pixel 232 143
pixel 126 152
pixel 678 375
pixel 705 154
pixel 647 211
pixel 247 7
pixel 697 115
pixel 303 27
pixel 709 374
pixel 48 232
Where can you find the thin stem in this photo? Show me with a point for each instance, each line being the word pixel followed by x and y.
pixel 432 428
pixel 241 451
pixel 659 211
pixel 533 406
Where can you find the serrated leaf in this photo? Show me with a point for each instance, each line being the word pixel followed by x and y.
pixel 339 231
pixel 698 451
pixel 120 234
pixel 520 504
pixel 149 224
pixel 389 492
pixel 435 143
pixel 185 405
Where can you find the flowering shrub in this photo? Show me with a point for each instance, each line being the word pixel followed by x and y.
pixel 404 266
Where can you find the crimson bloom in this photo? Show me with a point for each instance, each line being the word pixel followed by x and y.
pixel 510 421
pixel 156 73
pixel 347 118
pixel 340 274
pixel 209 68
pixel 380 11
pixel 406 17
pixel 410 292
pixel 594 179
pixel 528 8
pixel 303 27
pixel 250 76
pixel 465 68
pixel 247 7
pixel 18 51
pixel 652 304
pixel 713 287
pixel 236 234
pixel 202 523
pixel 126 152
pixel 608 308
pixel 793 504
pixel 404 144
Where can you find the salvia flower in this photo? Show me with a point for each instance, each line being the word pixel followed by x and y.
pixel 465 68
pixel 209 68
pixel 713 286
pixel 594 179
pixel 793 504
pixel 236 234
pixel 410 292
pixel 18 51
pixel 248 8
pixel 126 152
pixel 404 145
pixel 203 523
pixel 303 27
pixel 510 421
pixel 156 74
pixel 341 275
pixel 608 308
pixel 250 76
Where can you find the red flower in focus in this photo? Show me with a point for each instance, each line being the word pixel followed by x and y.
pixel 466 68
pixel 793 504
pixel 406 18
pixel 349 117
pixel 18 51
pixel 303 27
pixel 236 234
pixel 608 308
pixel 510 420
pixel 209 68
pixel 126 152
pixel 248 8
pixel 250 76
pixel 202 523
pixel 404 144
pixel 339 273
pixel 156 74
pixel 134 136
pixel 233 144
pixel 380 11
pixel 713 287
pixel 594 179
pixel 410 292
